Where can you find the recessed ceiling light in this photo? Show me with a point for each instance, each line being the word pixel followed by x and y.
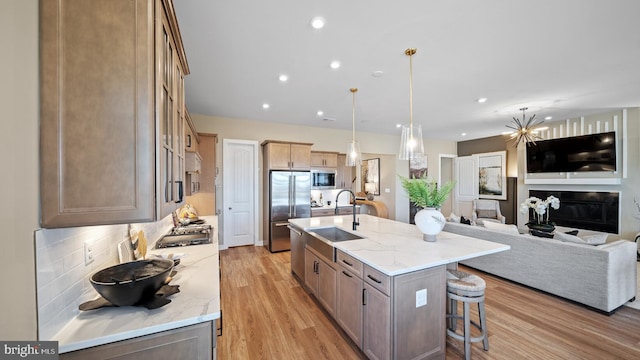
pixel 283 78
pixel 320 113
pixel 265 106
pixel 482 100
pixel 335 64
pixel 318 22
pixel 548 118
pixel 463 134
pixel 398 125
pixel 377 73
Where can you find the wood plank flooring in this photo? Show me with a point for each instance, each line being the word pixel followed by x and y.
pixel 267 315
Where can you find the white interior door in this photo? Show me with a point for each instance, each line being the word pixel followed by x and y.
pixel 446 174
pixel 466 174
pixel 240 192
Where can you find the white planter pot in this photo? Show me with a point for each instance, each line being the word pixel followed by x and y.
pixel 430 221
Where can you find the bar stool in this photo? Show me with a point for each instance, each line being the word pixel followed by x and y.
pixel 468 288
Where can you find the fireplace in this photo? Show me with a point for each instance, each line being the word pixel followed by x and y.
pixel 588 210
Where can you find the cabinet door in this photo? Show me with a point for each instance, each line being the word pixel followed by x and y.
pixel 327 287
pixel 300 157
pixel 317 159
pixel 331 160
pixel 97 154
pixel 169 191
pixel 376 329
pixel 279 156
pixel 310 274
pixel 349 307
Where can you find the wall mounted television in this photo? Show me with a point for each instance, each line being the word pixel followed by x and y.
pixel 594 152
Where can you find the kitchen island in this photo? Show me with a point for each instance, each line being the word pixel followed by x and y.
pixel 190 317
pixel 387 290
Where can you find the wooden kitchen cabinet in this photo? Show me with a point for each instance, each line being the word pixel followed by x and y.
pixel 280 155
pixel 324 159
pixel 344 174
pixel 192 138
pixel 111 77
pixel 349 310
pixel 380 313
pixel 320 278
pixel 193 162
pixel 197 342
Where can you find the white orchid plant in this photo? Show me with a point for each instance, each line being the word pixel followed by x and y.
pixel 541 207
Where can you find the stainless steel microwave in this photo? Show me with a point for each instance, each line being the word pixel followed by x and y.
pixel 323 179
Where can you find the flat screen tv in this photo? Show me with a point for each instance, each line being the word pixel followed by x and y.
pixel 595 152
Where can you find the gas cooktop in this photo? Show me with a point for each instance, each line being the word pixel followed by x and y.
pixel 186 235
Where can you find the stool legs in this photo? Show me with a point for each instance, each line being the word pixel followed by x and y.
pixel 453 316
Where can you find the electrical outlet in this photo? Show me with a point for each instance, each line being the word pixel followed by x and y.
pixel 421 298
pixel 88 253
pixel 387 190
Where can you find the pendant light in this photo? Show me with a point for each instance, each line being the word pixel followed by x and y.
pixel 411 146
pixel 354 157
pixel 525 130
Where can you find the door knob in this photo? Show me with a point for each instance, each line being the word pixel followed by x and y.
pixel 229 207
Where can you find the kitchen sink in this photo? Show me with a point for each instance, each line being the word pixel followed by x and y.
pixel 335 234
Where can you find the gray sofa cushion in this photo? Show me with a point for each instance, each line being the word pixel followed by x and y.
pixel 597 239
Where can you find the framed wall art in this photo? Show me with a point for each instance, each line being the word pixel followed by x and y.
pixel 370 175
pixel 492 175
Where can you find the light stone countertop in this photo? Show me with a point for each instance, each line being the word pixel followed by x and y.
pixel 198 301
pixel 395 248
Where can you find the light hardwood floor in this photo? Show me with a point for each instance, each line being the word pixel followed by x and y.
pixel 267 315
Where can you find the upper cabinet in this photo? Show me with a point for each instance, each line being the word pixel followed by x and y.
pixel 112 112
pixel 345 174
pixel 280 155
pixel 324 159
pixel 192 139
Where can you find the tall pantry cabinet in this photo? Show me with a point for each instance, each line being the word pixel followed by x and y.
pixel 112 111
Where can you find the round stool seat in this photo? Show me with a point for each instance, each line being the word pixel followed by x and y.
pixel 460 280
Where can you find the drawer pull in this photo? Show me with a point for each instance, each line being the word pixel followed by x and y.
pixel 347 274
pixel 374 279
pixel 346 262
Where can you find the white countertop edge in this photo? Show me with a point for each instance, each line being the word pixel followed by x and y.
pixel 424 266
pixel 126 335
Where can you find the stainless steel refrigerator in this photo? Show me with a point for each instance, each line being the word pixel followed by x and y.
pixel 289 197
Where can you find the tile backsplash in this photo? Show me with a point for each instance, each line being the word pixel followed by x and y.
pixel 62 278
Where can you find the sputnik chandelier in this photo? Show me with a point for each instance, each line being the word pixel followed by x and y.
pixel 525 131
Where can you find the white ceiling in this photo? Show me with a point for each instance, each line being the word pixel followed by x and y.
pixel 559 58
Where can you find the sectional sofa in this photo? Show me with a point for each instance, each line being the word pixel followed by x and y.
pixel 602 277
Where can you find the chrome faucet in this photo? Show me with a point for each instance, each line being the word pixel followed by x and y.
pixel 355 222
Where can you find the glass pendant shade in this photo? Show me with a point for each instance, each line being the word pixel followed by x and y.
pixel 354 156
pixel 411 146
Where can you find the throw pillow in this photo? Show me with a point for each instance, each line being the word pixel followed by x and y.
pixel 504 228
pixel 542 234
pixel 489 214
pixel 454 218
pixel 465 221
pixel 597 239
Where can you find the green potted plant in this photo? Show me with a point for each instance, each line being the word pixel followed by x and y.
pixel 425 193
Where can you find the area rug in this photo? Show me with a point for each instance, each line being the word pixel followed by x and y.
pixel 636 304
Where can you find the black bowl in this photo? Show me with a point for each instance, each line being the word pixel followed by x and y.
pixel 133 282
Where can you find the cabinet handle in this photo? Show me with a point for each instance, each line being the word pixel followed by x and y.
pixel 374 279
pixel 180 192
pixel 346 262
pixel 347 274
pixel 315 266
pixel 364 291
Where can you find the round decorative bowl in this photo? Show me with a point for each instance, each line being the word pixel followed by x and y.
pixel 133 282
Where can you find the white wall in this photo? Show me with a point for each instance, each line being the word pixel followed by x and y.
pixel 19 158
pixel 330 140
